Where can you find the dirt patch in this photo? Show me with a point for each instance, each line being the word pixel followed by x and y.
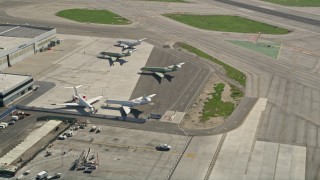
pixel 226 95
pixel 192 119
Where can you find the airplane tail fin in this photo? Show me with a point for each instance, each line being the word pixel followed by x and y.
pixel 142 39
pixel 178 65
pixel 75 89
pixel 148 98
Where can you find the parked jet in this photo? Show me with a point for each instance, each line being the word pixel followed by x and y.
pixel 116 56
pixel 160 71
pixel 126 44
pixel 80 100
pixel 127 105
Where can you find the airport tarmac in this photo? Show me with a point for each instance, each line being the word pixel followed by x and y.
pixel 78 64
pixel 290 83
pixel 121 154
pixel 74 62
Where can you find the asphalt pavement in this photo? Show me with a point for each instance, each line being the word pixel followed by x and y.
pixel 272 12
pixel 292 88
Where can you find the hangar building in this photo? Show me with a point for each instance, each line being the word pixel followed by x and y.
pixel 13 86
pixel 20 41
pixel 16 43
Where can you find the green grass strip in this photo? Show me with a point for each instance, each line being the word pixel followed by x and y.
pixel 226 23
pixel 230 71
pixel 214 107
pixel 93 16
pixel 302 3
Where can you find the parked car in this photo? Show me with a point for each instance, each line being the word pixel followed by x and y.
pixel 62 137
pixel 26 172
pixel 164 147
pixel 69 133
pixel 93 128
pixel 87 170
pixel 12 122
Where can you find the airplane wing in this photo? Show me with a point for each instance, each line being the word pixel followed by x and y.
pixel 93 100
pixel 159 74
pixel 137 99
pixel 126 109
pixel 67 104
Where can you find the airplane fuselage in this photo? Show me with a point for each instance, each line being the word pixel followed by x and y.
pixel 128 103
pixel 129 43
pixel 82 102
pixel 116 55
pixel 157 69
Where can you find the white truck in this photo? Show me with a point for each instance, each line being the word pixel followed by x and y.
pixel 42 175
pixel 55 176
pixel 15 118
pixel 5 124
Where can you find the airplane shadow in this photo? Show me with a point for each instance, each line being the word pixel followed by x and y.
pixel 135 112
pixel 110 107
pixel 80 110
pixel 166 76
pixel 121 62
pixel 111 62
pixel 70 101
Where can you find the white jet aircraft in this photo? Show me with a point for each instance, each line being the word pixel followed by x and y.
pixel 127 105
pixel 81 100
pixel 126 44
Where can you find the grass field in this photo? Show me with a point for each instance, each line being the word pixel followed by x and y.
pixel 236 93
pixel 230 71
pixel 307 3
pixel 226 23
pixel 93 16
pixel 214 107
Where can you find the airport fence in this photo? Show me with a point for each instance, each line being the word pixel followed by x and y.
pixel 102 116
pixel 58 111
pixel 69 120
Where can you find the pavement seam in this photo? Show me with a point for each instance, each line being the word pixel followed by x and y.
pixel 179 158
pixel 215 156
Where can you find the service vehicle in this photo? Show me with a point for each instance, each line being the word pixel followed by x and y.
pixel 42 175
pixel 62 137
pixel 164 147
pixel 5 124
pixel 15 118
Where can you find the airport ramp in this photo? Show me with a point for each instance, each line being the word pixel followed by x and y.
pixel 30 140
